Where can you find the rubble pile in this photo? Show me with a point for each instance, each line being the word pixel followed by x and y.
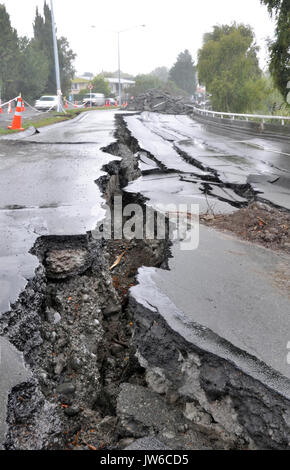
pixel 159 101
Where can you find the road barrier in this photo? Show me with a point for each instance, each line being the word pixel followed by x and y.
pixel 24 102
pixel 233 116
pixel 37 110
pixel 16 123
pixel 247 124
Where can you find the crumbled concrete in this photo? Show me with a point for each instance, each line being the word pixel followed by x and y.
pixel 160 101
pixel 63 263
pixel 216 396
pixel 12 372
pixel 142 412
pixel 93 386
pixel 147 443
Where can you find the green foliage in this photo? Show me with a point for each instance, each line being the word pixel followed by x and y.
pixel 228 66
pixel 183 73
pixel 66 60
pixel 280 47
pixel 273 5
pixel 173 89
pixel 145 82
pixel 34 69
pixel 101 85
pixel 9 57
pixel 116 75
pixel 82 93
pixel 274 101
pixel 162 73
pixel 43 37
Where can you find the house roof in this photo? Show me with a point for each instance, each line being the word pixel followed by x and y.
pixel 123 81
pixel 80 80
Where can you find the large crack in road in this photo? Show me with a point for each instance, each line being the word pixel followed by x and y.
pixel 111 363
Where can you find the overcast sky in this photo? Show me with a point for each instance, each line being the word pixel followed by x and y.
pixel 171 27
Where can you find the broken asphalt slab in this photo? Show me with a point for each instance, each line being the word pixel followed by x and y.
pixel 235 289
pixel 12 372
pixel 181 144
pixel 220 398
pixel 48 189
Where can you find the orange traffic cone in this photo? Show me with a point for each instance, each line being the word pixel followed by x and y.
pixel 16 123
pixel 9 110
pixel 23 106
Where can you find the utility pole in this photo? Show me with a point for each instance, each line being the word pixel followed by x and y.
pixel 119 60
pixel 119 72
pixel 56 60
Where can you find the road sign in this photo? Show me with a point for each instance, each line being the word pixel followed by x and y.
pixel 90 86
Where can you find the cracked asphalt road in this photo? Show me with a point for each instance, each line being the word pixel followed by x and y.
pixel 48 189
pixel 234 289
pixel 229 289
pixel 45 189
pixel 264 163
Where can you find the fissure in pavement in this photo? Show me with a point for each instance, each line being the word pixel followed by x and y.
pixel 105 371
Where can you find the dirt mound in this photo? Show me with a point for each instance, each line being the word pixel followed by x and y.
pixel 258 223
pixel 160 101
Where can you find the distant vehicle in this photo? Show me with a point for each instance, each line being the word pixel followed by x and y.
pixel 47 102
pixel 94 99
pixel 112 101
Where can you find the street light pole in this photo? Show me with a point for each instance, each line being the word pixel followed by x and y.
pixel 56 60
pixel 119 71
pixel 119 60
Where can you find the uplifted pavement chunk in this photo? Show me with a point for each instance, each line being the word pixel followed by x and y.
pixel 147 443
pixel 12 373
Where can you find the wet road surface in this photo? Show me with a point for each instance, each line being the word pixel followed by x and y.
pixel 227 296
pixel 6 118
pixel 226 288
pixel 183 145
pixel 48 189
pixel 13 372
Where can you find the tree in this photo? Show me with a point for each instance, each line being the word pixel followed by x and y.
pixel 116 75
pixel 274 102
pixel 34 69
pixel 183 73
pixel 9 57
pixel 101 85
pixel 280 47
pixel 144 83
pixel 228 66
pixel 162 73
pixel 43 37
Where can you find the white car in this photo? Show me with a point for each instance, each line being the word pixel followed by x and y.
pixel 112 101
pixel 47 102
pixel 94 99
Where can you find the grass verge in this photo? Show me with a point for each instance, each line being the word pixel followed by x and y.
pixel 50 118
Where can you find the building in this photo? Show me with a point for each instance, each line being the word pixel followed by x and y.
pixel 114 85
pixel 80 83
